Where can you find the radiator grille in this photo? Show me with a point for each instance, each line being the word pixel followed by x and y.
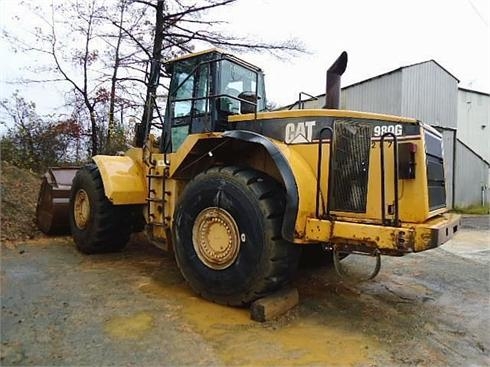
pixel 350 166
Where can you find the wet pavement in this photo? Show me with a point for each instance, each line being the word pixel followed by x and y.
pixel 59 307
pixel 480 222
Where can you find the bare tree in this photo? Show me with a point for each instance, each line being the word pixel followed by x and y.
pixel 34 141
pixel 103 50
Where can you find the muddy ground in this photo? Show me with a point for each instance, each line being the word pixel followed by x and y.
pixel 59 307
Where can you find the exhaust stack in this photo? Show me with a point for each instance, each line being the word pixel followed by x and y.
pixel 334 73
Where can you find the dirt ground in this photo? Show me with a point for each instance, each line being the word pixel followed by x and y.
pixel 59 307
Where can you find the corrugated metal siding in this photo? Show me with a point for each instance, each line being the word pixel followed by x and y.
pixel 474 121
pixel 471 175
pixel 382 95
pixel 429 94
pixel 314 103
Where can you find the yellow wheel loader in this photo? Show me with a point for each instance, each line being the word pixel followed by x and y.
pixel 236 191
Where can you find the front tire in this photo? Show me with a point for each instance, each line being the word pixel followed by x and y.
pixel 96 224
pixel 228 242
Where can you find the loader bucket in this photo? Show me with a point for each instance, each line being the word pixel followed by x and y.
pixel 53 199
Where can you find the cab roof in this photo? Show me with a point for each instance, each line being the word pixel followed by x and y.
pixel 194 54
pixel 217 51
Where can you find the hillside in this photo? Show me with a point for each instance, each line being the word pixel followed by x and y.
pixel 19 189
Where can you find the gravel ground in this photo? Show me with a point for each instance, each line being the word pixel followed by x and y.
pixel 59 307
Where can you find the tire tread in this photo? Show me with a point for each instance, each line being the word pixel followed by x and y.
pixel 112 226
pixel 282 256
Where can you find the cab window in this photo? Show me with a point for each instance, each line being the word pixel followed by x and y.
pixel 238 82
pixel 189 107
pixel 184 84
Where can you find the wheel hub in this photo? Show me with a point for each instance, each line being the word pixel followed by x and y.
pixel 81 209
pixel 216 238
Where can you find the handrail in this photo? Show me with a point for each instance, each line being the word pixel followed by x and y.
pixel 395 221
pixel 319 172
pixel 300 101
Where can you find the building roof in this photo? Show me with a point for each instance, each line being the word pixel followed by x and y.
pixel 474 91
pixel 384 74
pixel 399 69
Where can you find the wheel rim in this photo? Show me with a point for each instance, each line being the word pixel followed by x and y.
pixel 81 209
pixel 216 238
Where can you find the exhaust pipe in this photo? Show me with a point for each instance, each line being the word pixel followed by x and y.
pixel 334 73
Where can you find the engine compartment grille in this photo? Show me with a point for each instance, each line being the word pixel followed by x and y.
pixel 350 166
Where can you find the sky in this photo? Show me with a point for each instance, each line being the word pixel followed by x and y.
pixel 378 35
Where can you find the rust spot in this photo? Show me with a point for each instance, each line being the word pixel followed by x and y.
pixel 299 234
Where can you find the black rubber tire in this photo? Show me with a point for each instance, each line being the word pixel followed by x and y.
pixel 265 262
pixel 109 226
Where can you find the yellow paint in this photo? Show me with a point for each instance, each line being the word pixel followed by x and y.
pixel 423 236
pixel 382 237
pixel 442 226
pixel 162 212
pixel 410 210
pixel 319 113
pixel 123 178
pixel 412 194
pixel 129 327
pixel 305 178
pixel 154 212
pixel 182 153
pixel 292 342
pixel 358 228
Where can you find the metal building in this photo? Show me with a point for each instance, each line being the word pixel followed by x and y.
pixel 428 92
pixel 473 121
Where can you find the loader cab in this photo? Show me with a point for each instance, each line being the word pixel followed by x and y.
pixel 206 88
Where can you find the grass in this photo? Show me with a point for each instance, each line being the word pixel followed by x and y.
pixel 473 209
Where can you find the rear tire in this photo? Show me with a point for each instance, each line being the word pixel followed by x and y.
pixel 228 242
pixel 96 224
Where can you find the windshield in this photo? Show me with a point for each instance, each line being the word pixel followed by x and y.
pixel 238 81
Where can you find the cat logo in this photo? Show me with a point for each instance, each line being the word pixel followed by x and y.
pixel 300 132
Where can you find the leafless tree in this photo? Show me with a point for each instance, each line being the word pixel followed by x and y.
pixel 103 50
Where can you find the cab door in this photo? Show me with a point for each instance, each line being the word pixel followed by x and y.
pixel 188 110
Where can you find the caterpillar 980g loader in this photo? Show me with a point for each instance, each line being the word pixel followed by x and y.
pixel 236 191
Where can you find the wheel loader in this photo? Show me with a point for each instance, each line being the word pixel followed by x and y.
pixel 236 191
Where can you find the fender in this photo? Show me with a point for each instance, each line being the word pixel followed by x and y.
pixel 294 170
pixel 123 179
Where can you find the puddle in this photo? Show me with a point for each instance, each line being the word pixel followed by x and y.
pixel 129 327
pixel 237 340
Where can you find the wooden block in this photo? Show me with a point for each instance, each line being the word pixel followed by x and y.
pixel 274 305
